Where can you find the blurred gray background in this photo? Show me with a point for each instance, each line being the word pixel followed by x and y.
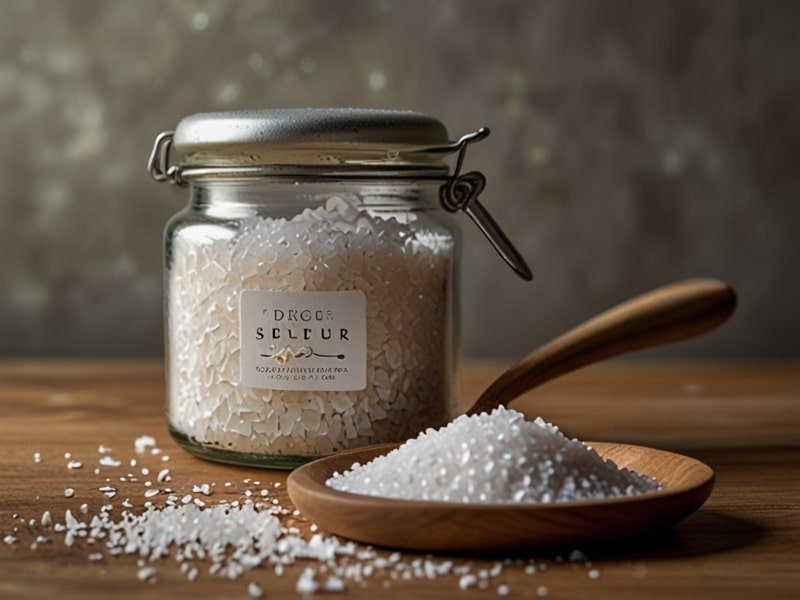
pixel 633 143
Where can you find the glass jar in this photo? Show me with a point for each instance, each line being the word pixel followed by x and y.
pixel 310 282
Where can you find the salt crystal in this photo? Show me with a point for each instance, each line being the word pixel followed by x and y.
pixel 254 590
pixel 593 574
pixel 163 476
pixel 503 590
pixel 47 520
pixel 152 492
pixel 334 585
pixel 71 521
pixel 542 591
pixel 307 584
pixel 9 539
pixel 467 581
pixel 37 457
pixel 204 489
pixel 69 492
pixel 107 461
pixel 74 464
pixel 142 443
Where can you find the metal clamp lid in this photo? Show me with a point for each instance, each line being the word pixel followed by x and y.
pixel 458 192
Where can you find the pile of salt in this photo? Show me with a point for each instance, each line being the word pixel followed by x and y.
pixel 493 458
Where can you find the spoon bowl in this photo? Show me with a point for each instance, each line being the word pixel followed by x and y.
pixel 455 527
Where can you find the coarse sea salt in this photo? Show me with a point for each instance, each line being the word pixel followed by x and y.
pixel 493 458
pixel 404 271
pixel 232 538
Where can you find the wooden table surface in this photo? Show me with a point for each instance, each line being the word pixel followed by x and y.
pixel 741 419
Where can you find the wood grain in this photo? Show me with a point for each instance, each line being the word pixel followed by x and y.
pixel 743 420
pixel 450 527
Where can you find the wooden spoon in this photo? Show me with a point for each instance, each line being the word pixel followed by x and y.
pixel 668 314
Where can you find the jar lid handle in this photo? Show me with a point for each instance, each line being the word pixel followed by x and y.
pixel 158 163
pixel 460 192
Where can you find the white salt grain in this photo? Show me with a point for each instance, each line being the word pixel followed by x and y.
pixel 84 508
pixel 163 476
pixel 307 584
pixel 152 492
pixel 69 492
pixel 503 590
pixel 74 464
pixel 47 520
pixel 142 443
pixel 37 457
pixel 204 489
pixel 107 461
pixel 334 585
pixel 254 590
pixel 542 591
pixel 593 574
pixel 493 458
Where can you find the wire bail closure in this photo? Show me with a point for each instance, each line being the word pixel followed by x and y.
pixel 461 192
pixel 158 164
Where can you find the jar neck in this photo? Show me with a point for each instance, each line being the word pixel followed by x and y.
pixel 251 196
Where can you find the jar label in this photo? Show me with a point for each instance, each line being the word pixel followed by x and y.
pixel 303 340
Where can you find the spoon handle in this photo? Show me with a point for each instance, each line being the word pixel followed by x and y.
pixel 668 314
